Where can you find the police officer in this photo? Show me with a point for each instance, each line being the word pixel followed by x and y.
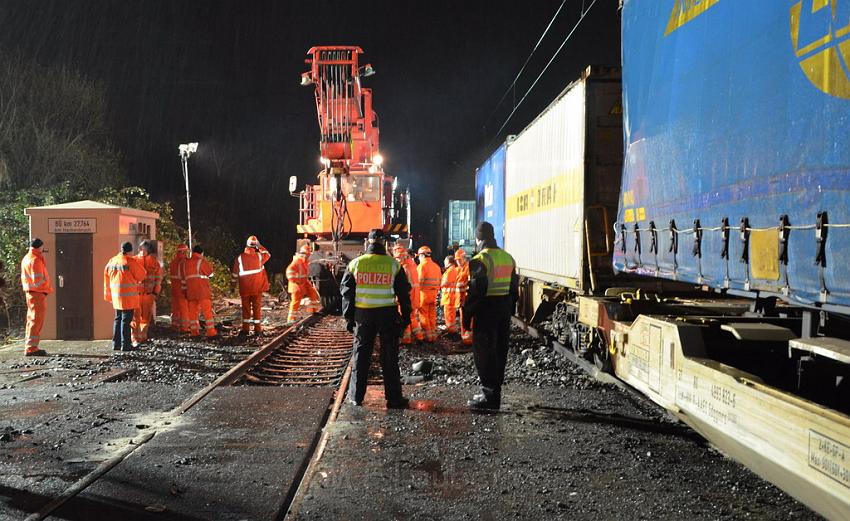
pixel 490 302
pixel 374 288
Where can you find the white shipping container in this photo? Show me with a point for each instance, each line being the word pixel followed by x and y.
pixel 544 192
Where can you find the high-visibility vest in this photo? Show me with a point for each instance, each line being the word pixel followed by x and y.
pixel 34 275
pixel 463 279
pixel 429 276
pixel 197 271
pixel 153 273
pixel 122 281
pixel 375 275
pixel 500 267
pixel 296 273
pixel 448 287
pixel 175 275
pixel 409 266
pixel 248 269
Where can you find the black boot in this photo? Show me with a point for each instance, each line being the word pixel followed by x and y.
pixel 398 403
pixel 481 402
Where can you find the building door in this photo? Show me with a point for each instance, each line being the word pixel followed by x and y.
pixel 74 317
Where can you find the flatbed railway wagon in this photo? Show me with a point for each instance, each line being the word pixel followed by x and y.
pixel 737 180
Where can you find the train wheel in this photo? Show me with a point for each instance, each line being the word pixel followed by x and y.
pixel 601 355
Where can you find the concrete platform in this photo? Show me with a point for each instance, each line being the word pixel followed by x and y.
pixel 231 457
pixel 550 453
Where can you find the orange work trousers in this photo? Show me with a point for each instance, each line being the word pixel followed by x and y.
pixel 36 308
pixel 197 308
pixel 412 330
pixel 450 317
pixel 304 290
pixel 252 312
pixel 179 314
pixel 142 317
pixel 465 334
pixel 428 315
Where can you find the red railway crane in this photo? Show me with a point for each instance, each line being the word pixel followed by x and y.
pixel 353 194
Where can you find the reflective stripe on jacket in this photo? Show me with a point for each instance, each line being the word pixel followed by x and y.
pixel 122 281
pixel 429 276
pixel 409 266
pixel 248 269
pixel 500 266
pixel 374 275
pixel 153 273
pixel 197 271
pixel 175 275
pixel 34 276
pixel 296 273
pixel 449 293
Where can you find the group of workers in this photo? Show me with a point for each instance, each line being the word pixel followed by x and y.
pixel 379 295
pixel 384 296
pixel 131 284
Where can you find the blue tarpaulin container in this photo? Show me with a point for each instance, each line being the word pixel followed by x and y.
pixel 490 193
pixel 738 110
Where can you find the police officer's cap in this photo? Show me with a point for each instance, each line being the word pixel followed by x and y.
pixel 484 231
pixel 377 235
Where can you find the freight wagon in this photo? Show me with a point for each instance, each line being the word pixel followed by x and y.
pixel 490 191
pixel 562 178
pixel 701 263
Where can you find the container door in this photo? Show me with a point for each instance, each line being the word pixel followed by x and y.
pixel 74 316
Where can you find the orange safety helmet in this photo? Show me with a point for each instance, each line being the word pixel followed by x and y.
pixel 182 247
pixel 252 242
pixel 399 250
pixel 424 250
pixel 460 254
pixel 305 249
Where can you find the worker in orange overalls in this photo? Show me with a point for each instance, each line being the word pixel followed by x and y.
pixel 299 285
pixel 449 296
pixel 151 286
pixel 253 280
pixel 36 284
pixel 197 272
pixel 409 266
pixel 462 288
pixel 122 280
pixel 179 304
pixel 429 284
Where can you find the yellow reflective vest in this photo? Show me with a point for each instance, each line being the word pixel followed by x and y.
pixel 375 275
pixel 500 267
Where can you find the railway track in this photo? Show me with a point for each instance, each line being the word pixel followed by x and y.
pixel 314 352
pixel 314 355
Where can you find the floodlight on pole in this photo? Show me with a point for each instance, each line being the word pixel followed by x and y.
pixel 186 150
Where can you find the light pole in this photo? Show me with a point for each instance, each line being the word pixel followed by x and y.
pixel 187 150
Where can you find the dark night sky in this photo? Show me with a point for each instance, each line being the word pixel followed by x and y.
pixel 226 73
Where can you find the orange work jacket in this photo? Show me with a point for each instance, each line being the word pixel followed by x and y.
pixel 463 281
pixel 197 272
pixel 409 267
pixel 153 274
pixel 175 275
pixel 448 287
pixel 297 273
pixel 34 276
pixel 122 280
pixel 248 269
pixel 429 277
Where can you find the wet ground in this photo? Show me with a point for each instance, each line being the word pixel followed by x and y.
pixel 564 446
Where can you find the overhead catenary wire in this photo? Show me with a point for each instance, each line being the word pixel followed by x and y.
pixel 584 12
pixel 525 64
